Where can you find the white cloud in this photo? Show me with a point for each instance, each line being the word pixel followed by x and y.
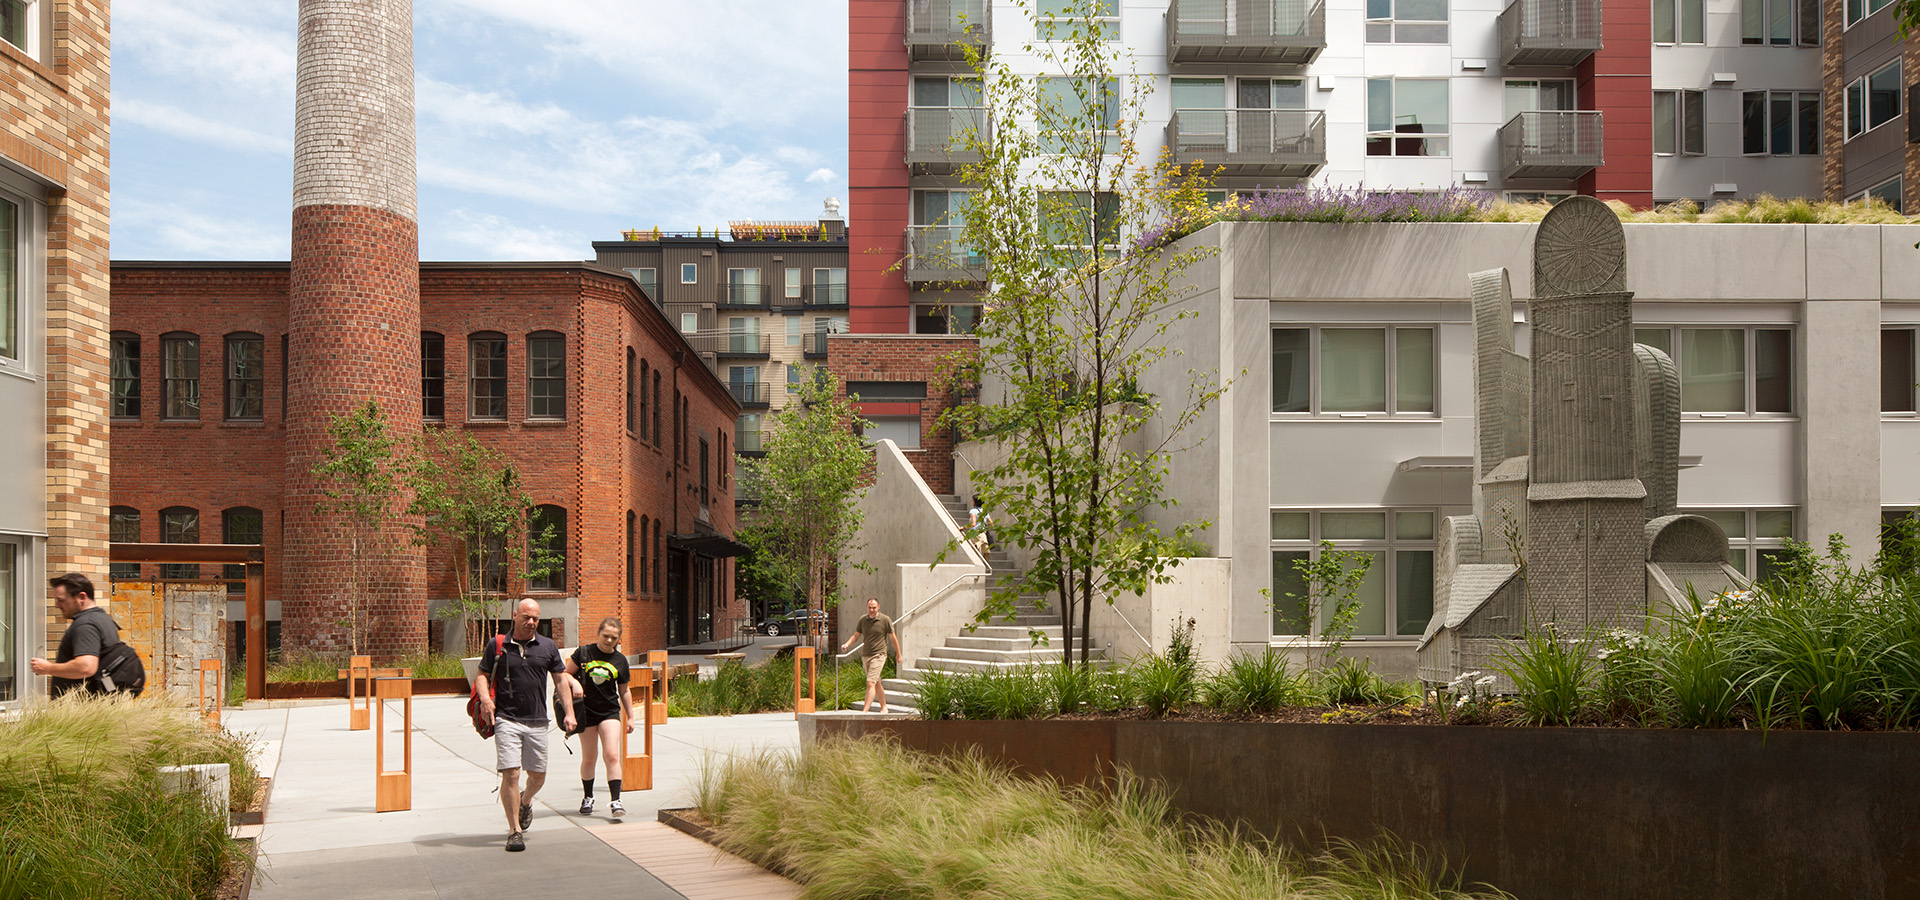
pixel 496 237
pixel 187 230
pixel 181 123
pixel 234 46
pixel 822 176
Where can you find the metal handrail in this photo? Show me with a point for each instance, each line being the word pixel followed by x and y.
pixel 939 593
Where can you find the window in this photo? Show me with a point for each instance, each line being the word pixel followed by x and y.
pixel 679 430
pixel 746 431
pixel 743 382
pixel 656 408
pixel 125 363
pixel 706 493
pixel 1689 15
pixel 24 24
pixel 179 525
pixel 649 282
pixel 1406 21
pixel 790 290
pixel 1543 94
pixel 1774 22
pixel 1079 113
pixel 487 566
pixel 689 273
pixel 546 375
pixel 743 287
pixel 629 558
pixel 639 425
pixel 689 322
pixel 645 541
pixel 1898 375
pixel 830 286
pixel 945 318
pixel 1715 377
pixel 12 237
pixel 1874 100
pixel 725 461
pixel 239 525
pixel 1768 122
pixel 946 113
pixel 1860 9
pixel 123 527
pixel 1888 192
pixel 659 551
pixel 246 376
pixel 547 548
pixel 1353 370
pixel 1407 117
pixel 1756 538
pixel 12 673
pixel 433 375
pixel 1078 219
pixel 1396 596
pixel 1060 19
pixel 628 375
pixel 794 330
pixel 487 375
pixel 1680 123
pixel 180 375
pixel 743 335
pixel 904 431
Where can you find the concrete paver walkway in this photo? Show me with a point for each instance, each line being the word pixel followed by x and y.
pixel 322 838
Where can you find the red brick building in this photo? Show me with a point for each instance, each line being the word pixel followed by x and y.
pixel 902 384
pixel 621 435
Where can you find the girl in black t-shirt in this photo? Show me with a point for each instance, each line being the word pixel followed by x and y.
pixel 600 678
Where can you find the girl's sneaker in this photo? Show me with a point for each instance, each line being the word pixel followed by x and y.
pixel 586 806
pixel 615 809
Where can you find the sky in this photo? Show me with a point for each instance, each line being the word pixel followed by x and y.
pixel 541 127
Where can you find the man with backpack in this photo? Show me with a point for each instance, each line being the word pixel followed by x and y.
pixel 513 698
pixel 91 634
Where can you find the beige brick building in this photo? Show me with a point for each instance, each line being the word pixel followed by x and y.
pixel 53 316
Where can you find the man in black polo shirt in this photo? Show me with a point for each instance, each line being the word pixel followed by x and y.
pixel 519 673
pixel 90 632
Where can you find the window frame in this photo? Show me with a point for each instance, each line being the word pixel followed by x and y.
pixel 689 273
pixel 1750 348
pixel 1689 122
pixel 632 574
pixel 874 422
pixel 1898 185
pixel 1853 12
pixel 1390 375
pixel 1059 26
pixel 178 389
pixel 236 386
pixel 538 517
pixel 123 371
pixel 236 574
pixel 744 286
pixel 1072 109
pixel 1389 546
pixel 168 533
pixel 120 519
pixel 1768 125
pixel 433 376
pixel 1857 101
pixel 546 376
pixel 1752 547
pixel 496 394
pixel 1392 138
pixel 830 285
pixel 1908 336
pixel 1677 21
pixel 1386 29
pixel 1802 20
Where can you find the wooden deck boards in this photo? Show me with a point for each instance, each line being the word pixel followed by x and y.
pixel 695 868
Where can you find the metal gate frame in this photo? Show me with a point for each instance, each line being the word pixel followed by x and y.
pixel 253 556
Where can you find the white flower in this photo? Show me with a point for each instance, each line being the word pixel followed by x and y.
pixel 1483 682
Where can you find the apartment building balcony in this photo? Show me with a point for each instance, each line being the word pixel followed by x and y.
pixel 826 295
pixel 1272 32
pixel 1269 143
pixel 745 295
pixel 941 29
pixel 740 345
pixel 813 345
pixel 937 253
pixel 937 138
pixel 751 394
pixel 1549 32
pixel 1550 144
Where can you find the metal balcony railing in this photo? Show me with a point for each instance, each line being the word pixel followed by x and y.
pixel 1550 144
pixel 1273 143
pixel 1282 32
pixel 743 343
pixel 937 138
pixel 746 295
pixel 1549 32
pixel 938 253
pixel 746 442
pixel 828 295
pixel 813 345
pixel 749 393
pixel 938 29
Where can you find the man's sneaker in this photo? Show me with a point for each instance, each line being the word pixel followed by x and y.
pixel 615 809
pixel 516 843
pixel 586 805
pixel 526 815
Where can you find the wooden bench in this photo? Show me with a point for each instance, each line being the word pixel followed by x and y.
pixel 724 658
pixel 382 673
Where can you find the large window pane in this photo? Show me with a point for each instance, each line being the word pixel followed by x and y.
pixel 10 229
pixel 1693 21
pixel 1413 370
pixel 547 376
pixel 180 370
pixel 1896 370
pixel 1772 370
pixel 1808 124
pixel 1660 339
pixel 1780 126
pixel 1883 95
pixel 1292 370
pixel 246 376
pixel 487 366
pixel 1371 597
pixel 123 527
pixel 1663 21
pixel 1379 104
pixel 1289 592
pixel 1713 370
pixel 1290 526
pixel 1353 367
pixel 1353 526
pixel 1413 526
pixel 125 372
pixel 1731 521
pixel 180 525
pixel 1665 121
pixel 1693 123
pixel 1413 591
pixel 1753 122
pixel 1773 523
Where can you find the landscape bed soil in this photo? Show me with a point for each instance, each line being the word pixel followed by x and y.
pixel 1403 714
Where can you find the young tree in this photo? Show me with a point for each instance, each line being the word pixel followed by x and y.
pixel 1077 306
pixel 362 487
pixel 808 483
pixel 470 502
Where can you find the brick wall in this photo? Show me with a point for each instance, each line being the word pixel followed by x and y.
pixel 588 462
pixel 901 357
pixel 56 107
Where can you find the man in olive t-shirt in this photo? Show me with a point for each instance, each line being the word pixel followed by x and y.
pixel 875 629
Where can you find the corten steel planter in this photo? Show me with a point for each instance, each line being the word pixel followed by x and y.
pixel 308 690
pixel 1589 813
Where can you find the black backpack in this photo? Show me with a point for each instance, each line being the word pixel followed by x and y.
pixel 120 672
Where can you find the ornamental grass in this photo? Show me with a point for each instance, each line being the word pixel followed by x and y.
pixel 868 819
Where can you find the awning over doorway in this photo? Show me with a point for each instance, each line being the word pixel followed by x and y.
pixel 718 546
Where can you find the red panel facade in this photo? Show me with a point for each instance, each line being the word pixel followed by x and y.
pixel 1618 81
pixel 877 85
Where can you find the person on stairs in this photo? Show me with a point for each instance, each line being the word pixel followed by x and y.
pixel 875 629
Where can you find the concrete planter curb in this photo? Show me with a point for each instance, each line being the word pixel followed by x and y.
pixel 1592 813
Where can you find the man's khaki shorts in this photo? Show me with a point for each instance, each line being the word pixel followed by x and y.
pixel 518 746
pixel 876 664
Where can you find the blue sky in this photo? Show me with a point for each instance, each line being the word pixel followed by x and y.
pixel 541 126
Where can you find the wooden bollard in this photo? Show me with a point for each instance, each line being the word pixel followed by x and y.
pixel 657 710
pixel 805 704
pixel 636 769
pixel 392 790
pixel 359 698
pixel 210 712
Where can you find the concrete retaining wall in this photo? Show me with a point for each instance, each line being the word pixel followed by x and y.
pixel 1551 813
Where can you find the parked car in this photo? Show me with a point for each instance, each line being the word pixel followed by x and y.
pixel 794 622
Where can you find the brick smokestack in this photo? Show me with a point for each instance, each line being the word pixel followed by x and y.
pixel 353 312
